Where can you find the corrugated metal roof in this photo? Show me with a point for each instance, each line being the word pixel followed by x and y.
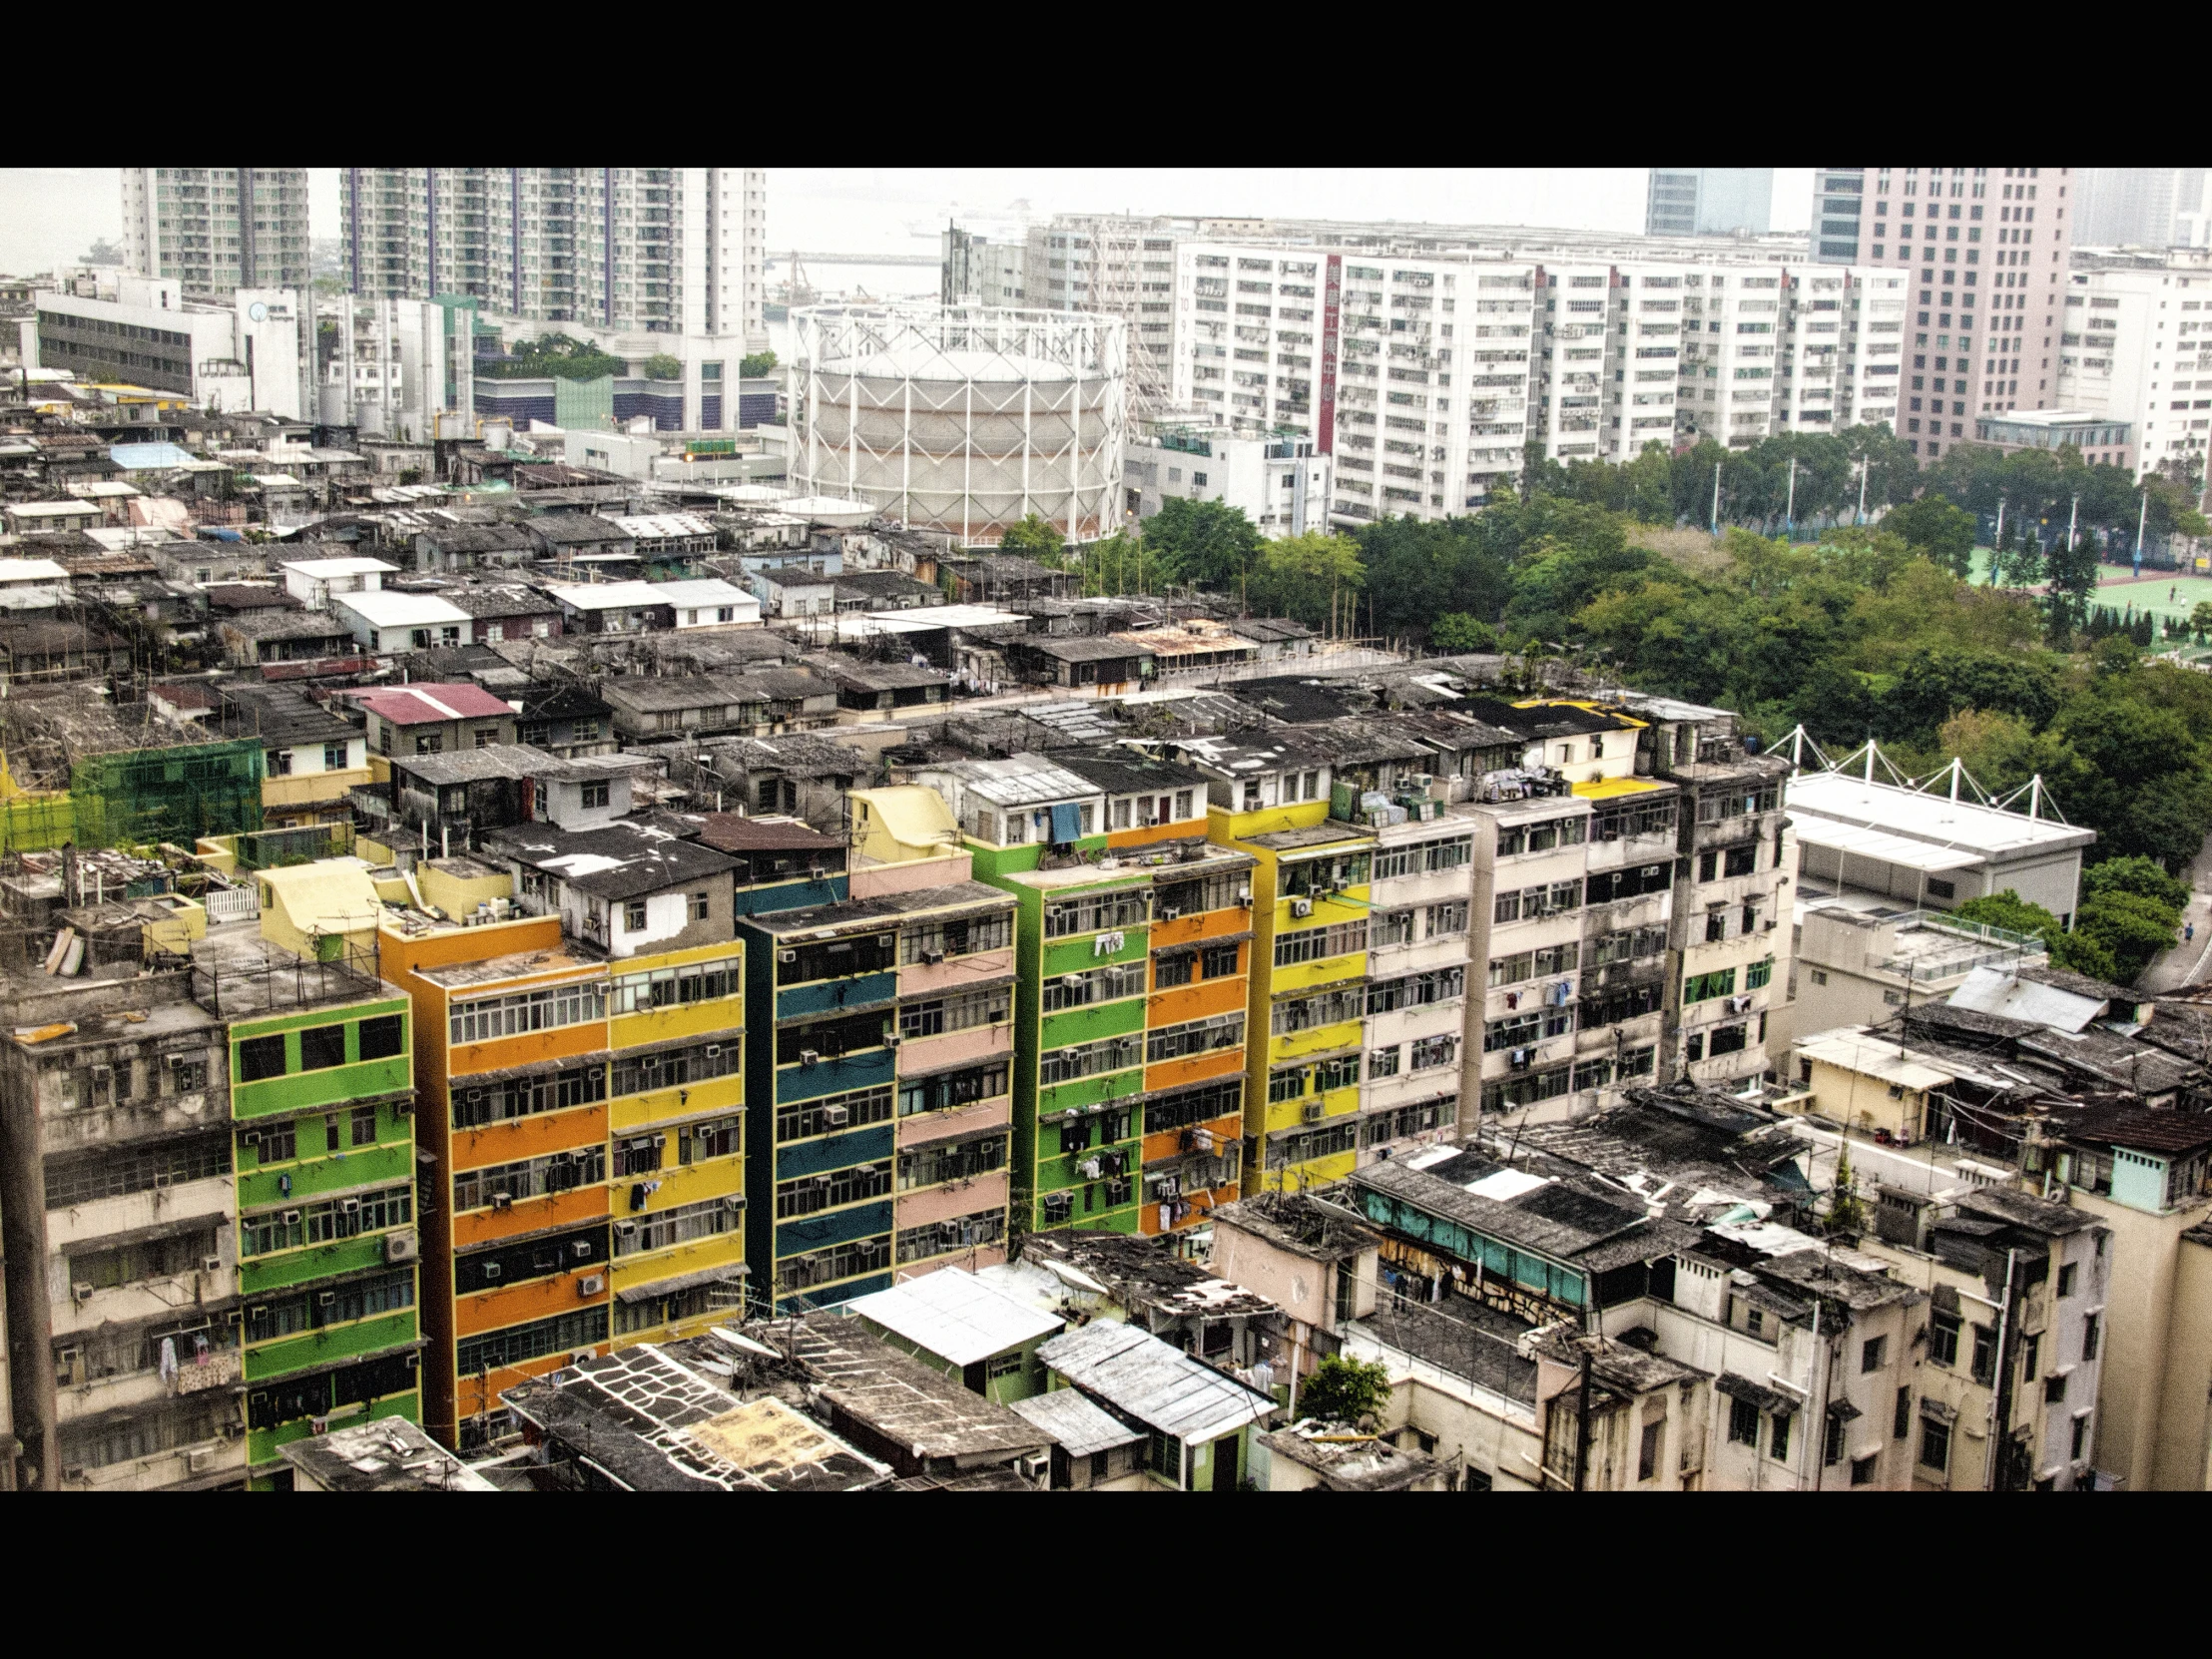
pixel 1989 992
pixel 954 1316
pixel 1856 1051
pixel 1156 1384
pixel 1080 1428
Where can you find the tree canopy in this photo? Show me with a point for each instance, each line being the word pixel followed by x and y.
pixel 1035 538
pixel 556 356
pixel 1860 631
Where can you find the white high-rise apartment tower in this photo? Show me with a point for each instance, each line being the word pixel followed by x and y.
pixel 216 229
pixel 1428 376
pixel 2137 347
pixel 671 250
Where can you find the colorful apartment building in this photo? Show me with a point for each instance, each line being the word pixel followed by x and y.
pixel 1131 1008
pixel 584 1125
pixel 1309 881
pixel 882 1048
pixel 323 1109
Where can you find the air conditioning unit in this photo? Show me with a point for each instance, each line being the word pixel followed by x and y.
pixel 626 1229
pixel 402 1245
pixel 580 1249
pixel 80 1292
pixel 714 1051
pixel 210 1264
pixel 475 1097
pixel 733 1201
pixel 102 1074
pixel 815 873
pixel 324 1299
pixel 319 1426
pixel 503 1201
pixel 933 957
pixel 1312 1112
pixel 1034 1466
pixel 809 1057
pixel 1171 913
pixel 1302 906
pixel 590 1284
pixel 73 1473
pixel 660 1140
pixel 787 955
pixel 891 1040
pixel 197 1460
pixel 491 1270
pixel 1244 898
pixel 349 1205
pixel 291 1217
pixel 836 1116
pixel 583 1354
pixel 1072 982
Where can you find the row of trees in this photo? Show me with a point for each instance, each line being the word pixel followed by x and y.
pixel 565 358
pixel 1755 484
pixel 555 356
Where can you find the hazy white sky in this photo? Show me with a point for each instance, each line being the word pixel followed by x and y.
pixel 52 215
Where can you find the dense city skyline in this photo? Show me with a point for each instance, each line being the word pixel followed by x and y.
pixel 54 213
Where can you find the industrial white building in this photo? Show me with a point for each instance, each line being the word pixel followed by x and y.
pixel 961 419
pixel 398 365
pixel 1879 869
pixel 1282 484
pixel 1926 848
pixel 2136 346
pixel 665 251
pixel 245 353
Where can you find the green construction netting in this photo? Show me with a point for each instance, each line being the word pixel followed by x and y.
pixel 137 797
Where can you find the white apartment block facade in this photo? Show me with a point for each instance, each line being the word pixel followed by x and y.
pixel 1420 926
pixel 675 249
pixel 216 229
pixel 2136 345
pixel 1427 378
pixel 1116 264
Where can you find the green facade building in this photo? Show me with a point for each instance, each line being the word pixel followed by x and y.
pixel 321 1103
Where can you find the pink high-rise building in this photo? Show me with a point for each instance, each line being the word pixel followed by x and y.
pixel 1986 250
